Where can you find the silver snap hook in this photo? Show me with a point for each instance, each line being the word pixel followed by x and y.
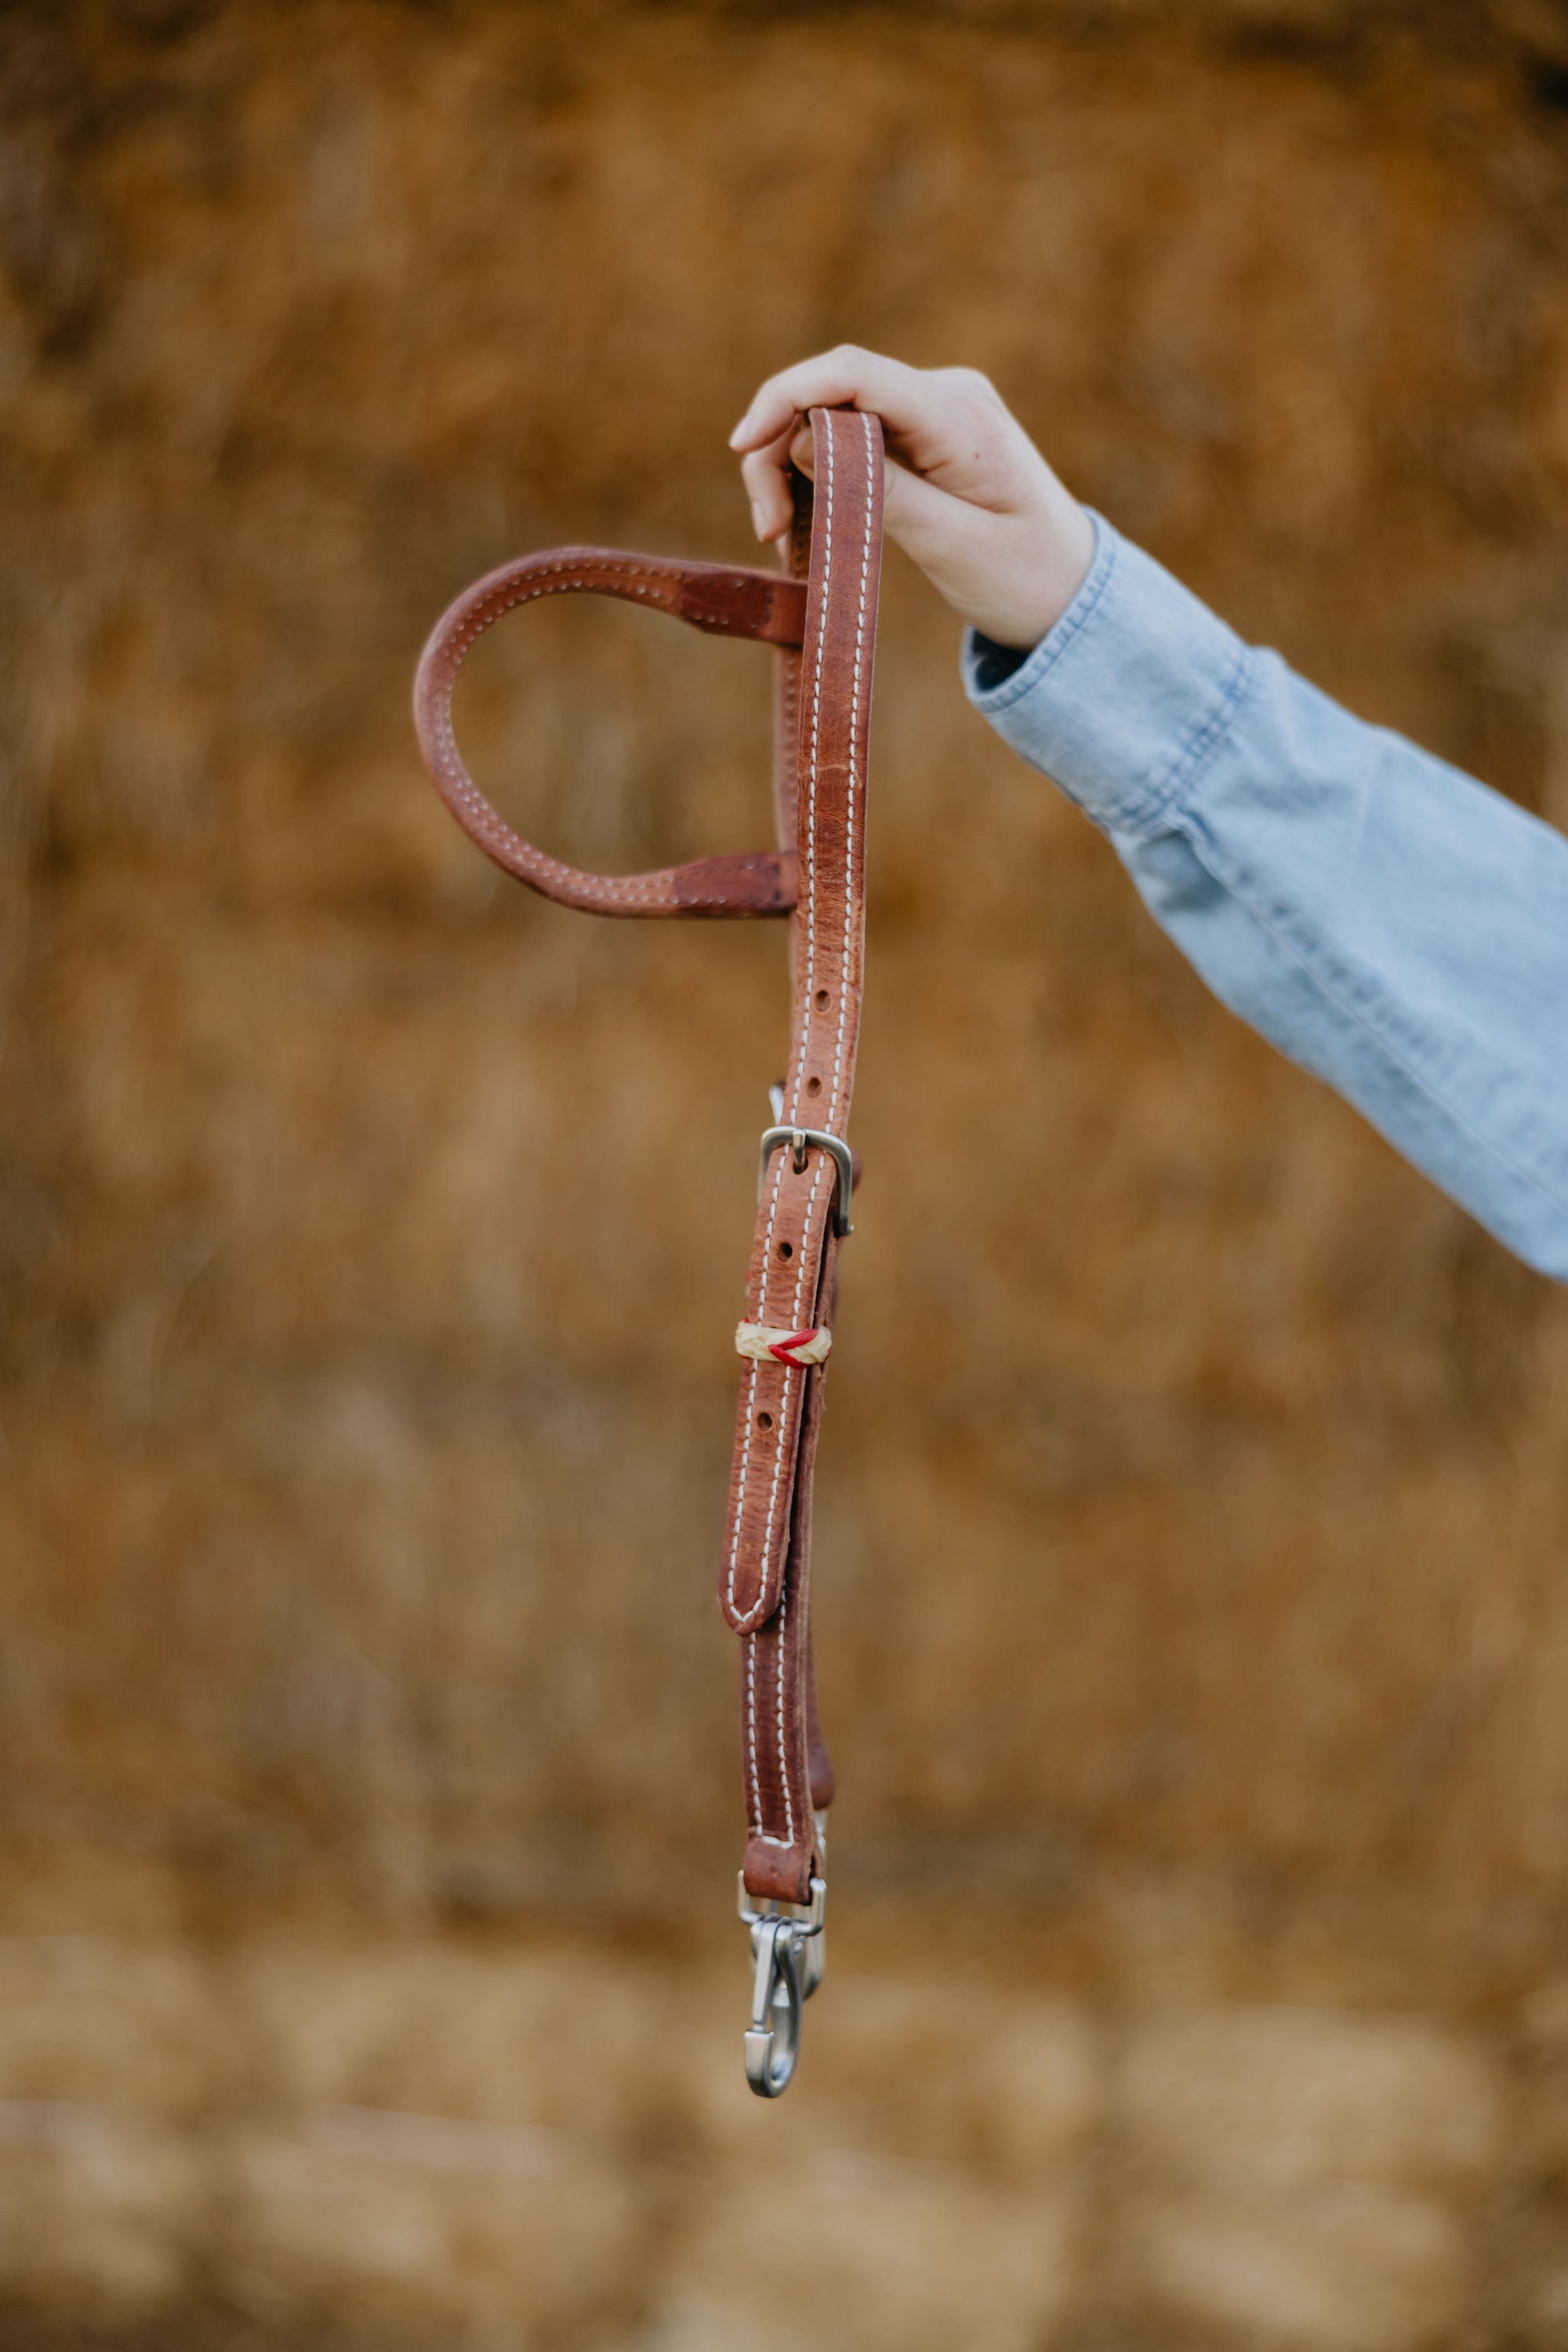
pixel 773 2038
pixel 787 1946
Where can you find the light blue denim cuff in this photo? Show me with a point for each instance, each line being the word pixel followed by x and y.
pixel 1128 696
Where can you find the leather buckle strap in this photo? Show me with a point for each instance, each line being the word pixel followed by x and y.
pixel 803 1211
pixel 798 1139
pixel 823 630
pixel 725 600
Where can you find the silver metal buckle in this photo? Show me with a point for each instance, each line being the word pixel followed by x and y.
pixel 797 1137
pixel 789 1950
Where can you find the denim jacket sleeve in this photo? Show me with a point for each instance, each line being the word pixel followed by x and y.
pixel 1392 925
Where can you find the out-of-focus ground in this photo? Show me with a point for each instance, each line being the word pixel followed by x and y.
pixel 1193 1613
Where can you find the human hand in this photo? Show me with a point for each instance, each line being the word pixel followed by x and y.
pixel 968 496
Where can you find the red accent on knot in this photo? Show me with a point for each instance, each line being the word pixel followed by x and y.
pixel 785 1349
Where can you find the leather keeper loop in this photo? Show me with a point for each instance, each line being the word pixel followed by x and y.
pixel 725 600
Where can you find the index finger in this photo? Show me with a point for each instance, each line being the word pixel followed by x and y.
pixel 845 377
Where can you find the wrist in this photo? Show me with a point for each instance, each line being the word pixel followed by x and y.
pixel 1046 559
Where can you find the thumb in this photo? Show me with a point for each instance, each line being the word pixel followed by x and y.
pixel 921 519
pixel 936 531
pixel 916 515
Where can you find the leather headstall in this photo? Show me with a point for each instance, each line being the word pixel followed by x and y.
pixel 820 613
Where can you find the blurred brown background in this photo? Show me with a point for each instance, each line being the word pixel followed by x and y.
pixel 1193 1627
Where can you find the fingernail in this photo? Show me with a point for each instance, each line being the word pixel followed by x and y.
pixel 757 521
pixel 739 435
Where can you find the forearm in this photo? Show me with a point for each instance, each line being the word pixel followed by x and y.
pixel 1389 923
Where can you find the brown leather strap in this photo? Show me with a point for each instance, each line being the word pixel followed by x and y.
pixel 727 601
pixel 824 629
pixel 765 1587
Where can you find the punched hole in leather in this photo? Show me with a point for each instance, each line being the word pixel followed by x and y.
pixel 818 615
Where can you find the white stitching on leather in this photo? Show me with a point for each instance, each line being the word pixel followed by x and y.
pixel 788 1838
pixel 808 888
pixel 853 749
pixel 750 1614
pixel 784 1598
pixel 748 1618
pixel 488 827
pixel 809 894
pixel 755 1823
pixel 741 1485
pixel 805 1237
pixel 754 1791
pixel 490 830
